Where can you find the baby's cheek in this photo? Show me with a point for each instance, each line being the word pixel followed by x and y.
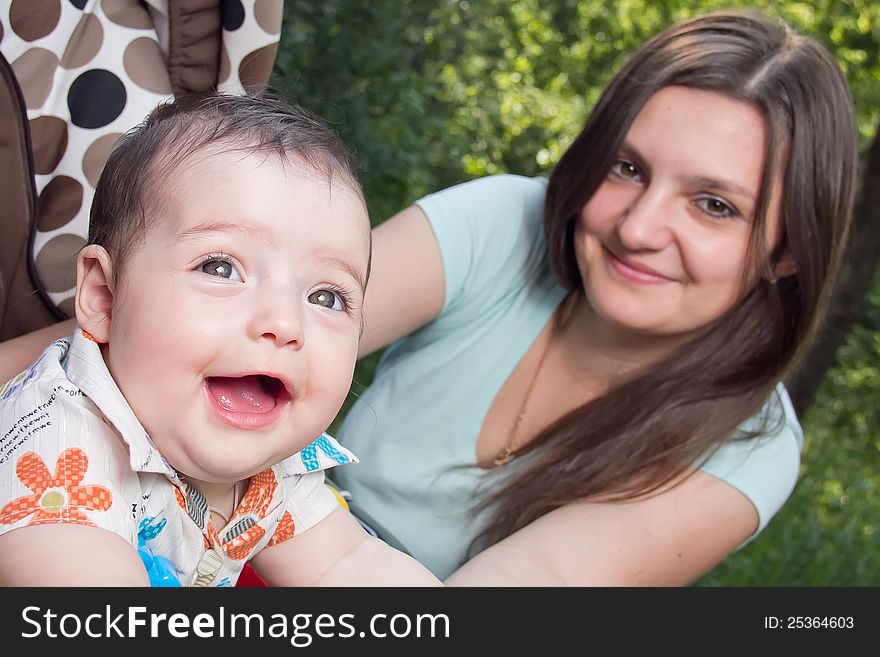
pixel 147 371
pixel 331 392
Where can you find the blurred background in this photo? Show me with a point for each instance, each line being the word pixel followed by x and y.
pixel 432 93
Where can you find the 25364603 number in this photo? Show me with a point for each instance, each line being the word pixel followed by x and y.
pixel 808 622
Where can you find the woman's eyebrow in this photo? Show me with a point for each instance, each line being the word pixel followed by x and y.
pixel 721 184
pixel 628 150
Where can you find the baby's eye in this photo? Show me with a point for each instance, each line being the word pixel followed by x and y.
pixel 220 268
pixel 328 299
pixel 626 170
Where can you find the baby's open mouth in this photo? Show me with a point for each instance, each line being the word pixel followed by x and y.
pixel 254 393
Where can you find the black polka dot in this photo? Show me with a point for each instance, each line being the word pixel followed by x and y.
pixel 95 99
pixel 233 15
pixel 79 4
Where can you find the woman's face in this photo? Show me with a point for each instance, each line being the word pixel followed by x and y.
pixel 662 245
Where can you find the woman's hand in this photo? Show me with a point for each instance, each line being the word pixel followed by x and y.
pixel 16 354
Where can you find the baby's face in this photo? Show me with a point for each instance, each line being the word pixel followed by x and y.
pixel 235 323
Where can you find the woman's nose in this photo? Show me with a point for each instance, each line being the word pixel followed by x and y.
pixel 646 223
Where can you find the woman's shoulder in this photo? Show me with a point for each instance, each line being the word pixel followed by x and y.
pixel 490 235
pixel 503 197
pixel 503 182
pixel 764 462
pixel 776 420
pixel 488 219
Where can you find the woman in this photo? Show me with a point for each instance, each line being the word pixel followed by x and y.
pixel 606 346
pixel 583 382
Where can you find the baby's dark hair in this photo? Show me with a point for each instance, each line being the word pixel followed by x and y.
pixel 129 191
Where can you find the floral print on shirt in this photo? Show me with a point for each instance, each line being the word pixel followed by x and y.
pixel 59 497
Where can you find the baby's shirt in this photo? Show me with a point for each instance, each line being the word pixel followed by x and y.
pixel 72 451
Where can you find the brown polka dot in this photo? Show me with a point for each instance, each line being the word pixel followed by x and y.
pixel 60 200
pixel 68 307
pixel 96 156
pixel 49 142
pixel 84 44
pixel 225 67
pixel 34 19
pixel 268 14
pixel 56 262
pixel 34 70
pixel 256 67
pixel 127 13
pixel 145 65
pixel 1 32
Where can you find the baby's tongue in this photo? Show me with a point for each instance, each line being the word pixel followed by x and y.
pixel 243 394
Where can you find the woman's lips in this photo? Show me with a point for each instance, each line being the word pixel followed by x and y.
pixel 633 271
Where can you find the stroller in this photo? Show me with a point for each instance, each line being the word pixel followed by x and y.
pixel 66 103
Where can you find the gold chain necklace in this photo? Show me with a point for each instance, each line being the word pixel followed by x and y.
pixel 506 455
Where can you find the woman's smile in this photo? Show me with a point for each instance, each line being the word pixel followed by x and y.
pixel 634 271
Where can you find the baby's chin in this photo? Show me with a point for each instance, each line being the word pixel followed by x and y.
pixel 220 468
pixel 218 453
pixel 220 474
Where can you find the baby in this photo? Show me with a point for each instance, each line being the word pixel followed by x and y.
pixel 219 309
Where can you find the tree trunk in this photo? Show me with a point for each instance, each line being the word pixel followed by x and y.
pixel 856 273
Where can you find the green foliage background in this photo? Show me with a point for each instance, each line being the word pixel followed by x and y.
pixel 431 93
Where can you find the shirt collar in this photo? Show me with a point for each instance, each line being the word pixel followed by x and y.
pixel 321 454
pixel 86 368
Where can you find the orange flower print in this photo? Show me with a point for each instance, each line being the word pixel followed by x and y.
pixel 57 498
pixel 181 500
pixel 283 531
pixel 245 534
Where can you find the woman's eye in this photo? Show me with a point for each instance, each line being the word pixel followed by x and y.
pixel 626 169
pixel 220 269
pixel 715 207
pixel 327 299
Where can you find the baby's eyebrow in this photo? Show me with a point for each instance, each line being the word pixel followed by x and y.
pixel 214 227
pixel 232 227
pixel 346 266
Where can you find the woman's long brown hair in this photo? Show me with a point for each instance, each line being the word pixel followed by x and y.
pixel 647 431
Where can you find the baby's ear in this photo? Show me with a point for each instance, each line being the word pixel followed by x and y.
pixel 94 291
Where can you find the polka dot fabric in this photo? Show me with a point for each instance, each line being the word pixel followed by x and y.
pixel 87 71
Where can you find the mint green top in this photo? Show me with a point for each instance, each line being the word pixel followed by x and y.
pixel 432 389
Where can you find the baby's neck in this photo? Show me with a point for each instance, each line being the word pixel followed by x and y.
pixel 222 498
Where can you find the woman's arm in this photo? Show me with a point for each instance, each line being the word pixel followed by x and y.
pixel 669 539
pixel 406 284
pixel 16 354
